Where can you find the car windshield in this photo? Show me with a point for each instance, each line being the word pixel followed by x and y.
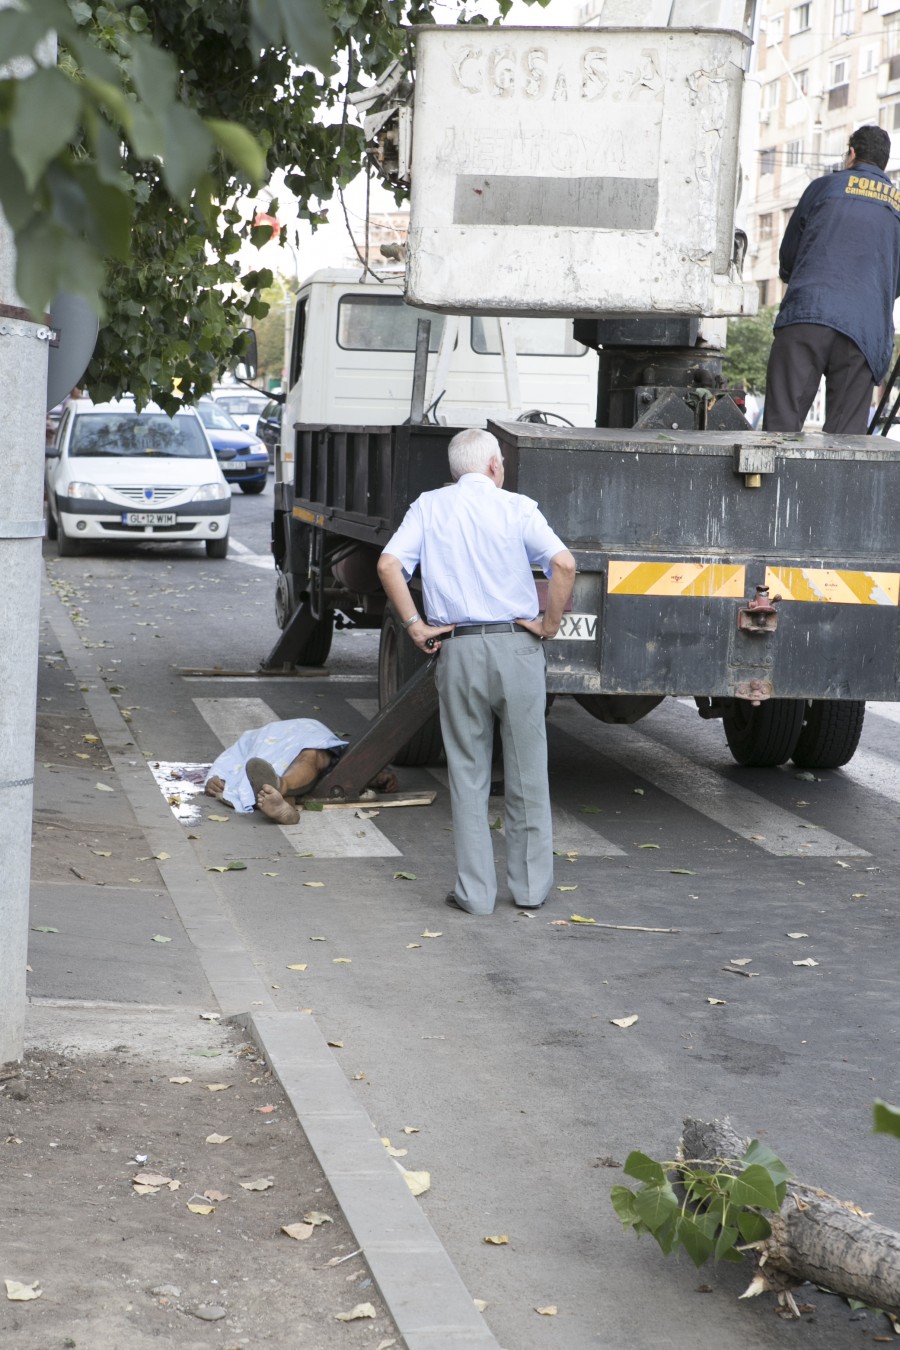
pixel 241 405
pixel 216 419
pixel 124 433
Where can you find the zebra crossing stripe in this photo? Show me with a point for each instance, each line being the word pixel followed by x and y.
pixel 834 586
pixel 671 578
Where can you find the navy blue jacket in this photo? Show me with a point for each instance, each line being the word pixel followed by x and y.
pixel 840 256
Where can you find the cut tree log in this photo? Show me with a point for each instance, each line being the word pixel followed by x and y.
pixel 831 1243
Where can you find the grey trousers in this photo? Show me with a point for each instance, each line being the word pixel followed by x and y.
pixel 478 678
pixel 801 354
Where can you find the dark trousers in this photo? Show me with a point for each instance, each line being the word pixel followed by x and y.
pixel 801 354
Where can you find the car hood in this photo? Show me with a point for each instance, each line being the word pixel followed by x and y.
pixel 230 440
pixel 152 470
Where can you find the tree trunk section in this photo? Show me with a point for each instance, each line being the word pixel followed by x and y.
pixel 814 1236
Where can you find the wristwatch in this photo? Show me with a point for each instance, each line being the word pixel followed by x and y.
pixel 408 623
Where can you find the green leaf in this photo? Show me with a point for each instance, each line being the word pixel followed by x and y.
pixel 302 24
pixel 41 928
pixel 698 1244
pixel 44 120
pixel 760 1154
pixel 754 1186
pixel 724 1249
pixel 623 1203
pixel 245 153
pixel 49 260
pixel 655 1205
pixel 187 152
pixel 754 1227
pixel 155 75
pixel 313 806
pixel 645 1169
pixel 20 32
pixel 667 1234
pixel 885 1119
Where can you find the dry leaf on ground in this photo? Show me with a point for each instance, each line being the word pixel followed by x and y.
pixel 215 1196
pixel 316 1218
pixel 342 961
pixel 550 1310
pixel 567 888
pixel 361 1310
pixel 480 1303
pixel 181 1079
pixel 17 1292
pixel 404 876
pixel 624 1021
pixel 740 960
pixel 410 1129
pixel 578 918
pixel 220 819
pixel 798 935
pixel 336 1045
pixel 413 946
pixel 299 1231
pixel 103 787
pixel 159 937
pixel 260 1184
pixel 218 1138
pixel 716 1002
pixel 300 966
pixel 499 1241
pixel 418 1182
pixel 429 934
pixel 314 885
pixel 147 1178
pixel 217 1087
pixel 201 1209
pixel 808 962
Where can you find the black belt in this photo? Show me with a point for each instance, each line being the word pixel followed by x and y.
pixel 479 629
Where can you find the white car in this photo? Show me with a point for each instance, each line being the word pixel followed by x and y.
pixel 114 473
pixel 243 404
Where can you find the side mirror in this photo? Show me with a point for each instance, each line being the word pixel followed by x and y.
pixel 247 364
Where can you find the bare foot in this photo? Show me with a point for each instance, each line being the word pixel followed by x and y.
pixel 272 804
pixel 215 787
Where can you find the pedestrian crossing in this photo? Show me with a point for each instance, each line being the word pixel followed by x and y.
pixel 649 755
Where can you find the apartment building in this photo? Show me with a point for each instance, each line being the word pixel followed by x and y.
pixel 824 67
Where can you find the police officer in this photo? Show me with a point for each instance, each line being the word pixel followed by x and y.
pixel 840 256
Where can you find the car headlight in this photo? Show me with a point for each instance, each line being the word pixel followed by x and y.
pixel 257 446
pixel 85 490
pixel 211 492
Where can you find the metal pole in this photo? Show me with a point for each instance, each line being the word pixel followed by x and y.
pixel 23 391
pixel 420 372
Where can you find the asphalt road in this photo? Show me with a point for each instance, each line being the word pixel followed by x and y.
pixel 493 1037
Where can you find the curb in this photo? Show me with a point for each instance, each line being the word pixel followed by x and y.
pixel 421 1287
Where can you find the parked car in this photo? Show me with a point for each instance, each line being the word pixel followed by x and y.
pixel 242 456
pixel 268 428
pixel 244 404
pixel 114 473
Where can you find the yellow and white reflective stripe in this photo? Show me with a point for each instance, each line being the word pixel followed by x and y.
pixel 670 578
pixel 834 585
pixel 311 517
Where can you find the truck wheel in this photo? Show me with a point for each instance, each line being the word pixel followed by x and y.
pixel 285 604
pixel 830 735
pixel 765 736
pixel 318 644
pixel 398 661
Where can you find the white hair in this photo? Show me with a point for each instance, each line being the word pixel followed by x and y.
pixel 471 451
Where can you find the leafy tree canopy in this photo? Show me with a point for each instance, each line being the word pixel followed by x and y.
pixel 123 165
pixel 747 351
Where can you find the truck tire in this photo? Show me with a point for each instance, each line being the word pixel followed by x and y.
pixel 317 646
pixel 398 661
pixel 763 737
pixel 831 732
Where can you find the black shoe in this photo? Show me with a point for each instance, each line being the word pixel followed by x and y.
pixel 452 901
pixel 539 904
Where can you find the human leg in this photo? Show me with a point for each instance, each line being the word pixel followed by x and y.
pixel 467 725
pixel 848 388
pixel 520 675
pixel 796 364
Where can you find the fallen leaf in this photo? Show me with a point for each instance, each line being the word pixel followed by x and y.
pixel 481 1304
pixel 418 1182
pixel 681 872
pixel 361 1310
pixel 215 1196
pixel 147 1178
pixel 366 815
pixel 314 885
pixel 140 1189
pixel 210 1017
pixel 299 1231
pixel 757 836
pixel 318 939
pixel 797 935
pixel 741 960
pixel 561 923
pixel 807 962
pixel 103 787
pixel 217 1087
pixel 316 1218
pixel 413 946
pixel 300 966
pixel 805 776
pixel 260 1184
pixel 500 1241
pixel 91 740
pixel 270 874
pixel 624 1021
pixel 716 1002
pixel 577 918
pixel 497 824
pixel 265 1110
pixel 410 1129
pixel 220 819
pixel 567 888
pixel 359 1077
pixel 42 928
pixel 337 1045
pixel 858 895
pixel 162 857
pixel 394 1152
pixel 404 876
pixel 385 1344
pixel 159 937
pixel 312 806
pixel 342 961
pixel 638 792
pixel 648 845
pixel 549 1311
pixel 428 934
pixel 101 853
pixel 229 867
pixel 218 1138
pixel 17 1292
pixel 201 1209
pixel 838 863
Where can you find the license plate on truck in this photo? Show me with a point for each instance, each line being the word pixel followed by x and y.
pixel 149 518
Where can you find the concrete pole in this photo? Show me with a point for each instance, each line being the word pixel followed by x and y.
pixel 23 389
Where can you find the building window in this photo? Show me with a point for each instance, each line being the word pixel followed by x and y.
pixel 800 17
pixel 799 85
pixel 767 161
pixel 765 227
pixel 868 61
pixel 869 5
pixel 894 68
pixel 835 150
pixel 770 95
pixel 774 30
pixel 794 153
pixel 843 17
pixel 839 72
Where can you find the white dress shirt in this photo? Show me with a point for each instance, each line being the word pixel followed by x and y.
pixel 476 545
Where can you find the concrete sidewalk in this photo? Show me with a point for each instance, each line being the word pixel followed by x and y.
pixel 123 917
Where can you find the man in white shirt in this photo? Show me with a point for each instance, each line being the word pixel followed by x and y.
pixel 475 545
